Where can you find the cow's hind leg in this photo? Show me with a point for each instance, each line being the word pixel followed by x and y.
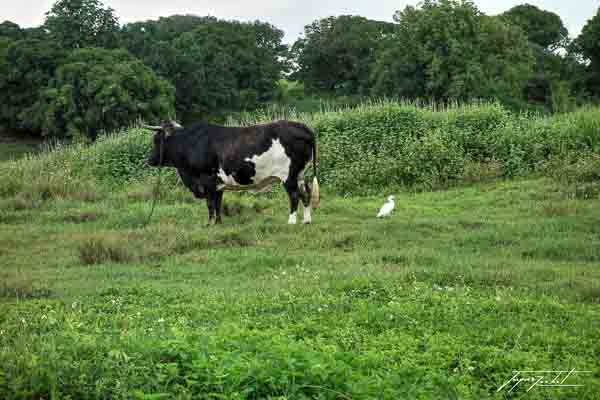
pixel 291 186
pixel 210 202
pixel 305 192
pixel 218 203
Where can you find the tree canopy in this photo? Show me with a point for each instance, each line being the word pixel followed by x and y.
pixel 26 66
pixel 10 30
pixel 215 65
pixel 76 24
pixel 449 50
pixel 100 90
pixel 544 28
pixel 338 53
pixel 82 73
pixel 588 46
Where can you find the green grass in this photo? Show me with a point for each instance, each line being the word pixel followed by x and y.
pixel 13 151
pixel 443 300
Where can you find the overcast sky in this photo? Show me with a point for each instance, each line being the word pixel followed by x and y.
pixel 288 15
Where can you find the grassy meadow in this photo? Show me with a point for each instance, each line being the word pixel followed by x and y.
pixel 490 264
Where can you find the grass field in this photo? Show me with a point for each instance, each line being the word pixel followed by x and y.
pixel 443 300
pixel 12 151
pixel 14 146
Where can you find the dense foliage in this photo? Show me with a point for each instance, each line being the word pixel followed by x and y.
pixel 542 27
pixel 26 67
pixel 447 50
pixel 75 24
pixel 338 53
pixel 441 50
pixel 588 45
pixel 378 147
pixel 100 90
pixel 215 65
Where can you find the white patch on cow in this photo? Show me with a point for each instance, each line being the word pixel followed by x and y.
pixel 270 167
pixel 273 163
pixel 307 216
pixel 292 220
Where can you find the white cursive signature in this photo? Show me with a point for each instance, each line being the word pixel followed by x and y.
pixel 542 379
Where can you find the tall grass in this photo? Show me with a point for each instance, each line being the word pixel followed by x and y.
pixel 375 146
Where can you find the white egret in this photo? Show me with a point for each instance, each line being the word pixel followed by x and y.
pixel 387 208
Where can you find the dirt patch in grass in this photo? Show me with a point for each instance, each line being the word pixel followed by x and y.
pixel 23 289
pixel 81 218
pixel 20 202
pixel 590 295
pixel 233 239
pixel 231 209
pixel 183 244
pixel 345 243
pixel 559 209
pixel 146 194
pixel 99 250
pixel 471 226
pixel 395 259
pixel 563 253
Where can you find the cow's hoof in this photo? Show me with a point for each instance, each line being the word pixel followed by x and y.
pixel 307 222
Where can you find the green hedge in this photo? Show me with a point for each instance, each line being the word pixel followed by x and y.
pixel 367 149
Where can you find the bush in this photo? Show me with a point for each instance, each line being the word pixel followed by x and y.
pixel 99 251
pixel 367 149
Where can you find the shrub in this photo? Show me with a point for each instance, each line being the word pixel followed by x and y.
pixel 367 149
pixel 99 250
pixel 23 288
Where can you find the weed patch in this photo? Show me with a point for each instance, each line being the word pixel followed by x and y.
pixel 21 202
pixel 23 289
pixel 81 218
pixel 98 250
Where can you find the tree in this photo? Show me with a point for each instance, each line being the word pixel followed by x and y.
pixel 215 65
pixel 76 24
pixel 152 41
pixel 544 28
pixel 588 46
pixel 99 90
pixel 226 65
pixel 449 50
pixel 26 66
pixel 337 53
pixel 546 34
pixel 10 30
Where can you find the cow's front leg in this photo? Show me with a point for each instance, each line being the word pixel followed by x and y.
pixel 210 202
pixel 291 186
pixel 218 204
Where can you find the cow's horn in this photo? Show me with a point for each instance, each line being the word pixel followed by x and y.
pixel 153 128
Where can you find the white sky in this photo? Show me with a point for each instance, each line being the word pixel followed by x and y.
pixel 289 15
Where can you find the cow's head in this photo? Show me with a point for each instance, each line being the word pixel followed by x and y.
pixel 160 141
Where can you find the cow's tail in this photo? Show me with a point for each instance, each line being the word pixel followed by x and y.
pixel 315 197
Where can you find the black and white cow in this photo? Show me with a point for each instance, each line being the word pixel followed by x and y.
pixel 211 159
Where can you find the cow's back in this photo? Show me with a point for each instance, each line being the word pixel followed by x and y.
pixel 257 156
